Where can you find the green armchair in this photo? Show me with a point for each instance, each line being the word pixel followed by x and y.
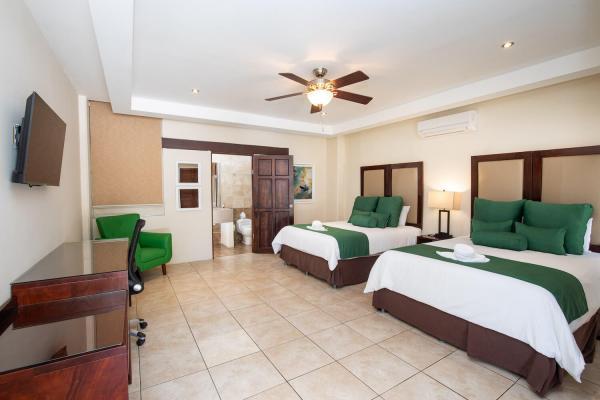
pixel 153 249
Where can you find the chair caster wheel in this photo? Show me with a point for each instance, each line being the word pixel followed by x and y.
pixel 141 335
pixel 140 341
pixel 143 324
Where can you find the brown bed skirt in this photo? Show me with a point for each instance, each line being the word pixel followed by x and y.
pixel 542 373
pixel 348 272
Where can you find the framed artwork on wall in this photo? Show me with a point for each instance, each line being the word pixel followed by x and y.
pixel 304 183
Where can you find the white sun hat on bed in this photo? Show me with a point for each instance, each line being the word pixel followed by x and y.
pixel 464 253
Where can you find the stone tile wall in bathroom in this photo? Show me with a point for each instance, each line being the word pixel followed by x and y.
pixel 235 180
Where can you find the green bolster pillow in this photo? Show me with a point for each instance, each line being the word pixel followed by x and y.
pixel 381 218
pixel 572 217
pixel 366 221
pixel 358 212
pixel 546 240
pixel 391 205
pixel 365 203
pixel 483 226
pixel 497 211
pixel 501 240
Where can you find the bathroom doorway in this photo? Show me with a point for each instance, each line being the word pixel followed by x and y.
pixel 232 204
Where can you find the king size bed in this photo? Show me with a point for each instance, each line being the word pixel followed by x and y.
pixel 504 321
pixel 324 255
pixel 532 306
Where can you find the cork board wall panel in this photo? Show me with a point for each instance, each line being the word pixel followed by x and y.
pixel 405 183
pixel 374 182
pixel 125 158
pixel 501 180
pixel 573 179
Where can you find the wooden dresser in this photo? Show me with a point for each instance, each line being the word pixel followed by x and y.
pixel 64 333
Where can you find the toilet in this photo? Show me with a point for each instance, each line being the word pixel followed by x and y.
pixel 244 226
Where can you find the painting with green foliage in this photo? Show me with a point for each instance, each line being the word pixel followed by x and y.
pixel 303 183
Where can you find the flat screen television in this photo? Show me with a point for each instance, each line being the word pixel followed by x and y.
pixel 40 144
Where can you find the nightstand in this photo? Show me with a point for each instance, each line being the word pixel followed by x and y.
pixel 429 238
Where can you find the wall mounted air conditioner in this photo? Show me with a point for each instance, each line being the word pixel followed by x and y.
pixel 455 123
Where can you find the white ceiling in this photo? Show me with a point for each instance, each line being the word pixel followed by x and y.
pixel 423 56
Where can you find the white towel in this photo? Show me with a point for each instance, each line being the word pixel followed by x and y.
pixel 479 258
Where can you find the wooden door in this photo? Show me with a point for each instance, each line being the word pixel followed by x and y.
pixel 272 199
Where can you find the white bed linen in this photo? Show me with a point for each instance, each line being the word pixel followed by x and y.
pixel 326 247
pixel 518 309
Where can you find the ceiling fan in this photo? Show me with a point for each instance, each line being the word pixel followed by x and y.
pixel 321 91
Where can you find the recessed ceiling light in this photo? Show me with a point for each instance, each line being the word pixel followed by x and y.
pixel 195 91
pixel 507 45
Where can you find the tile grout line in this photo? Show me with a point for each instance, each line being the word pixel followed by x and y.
pixel 262 350
pixel 259 350
pixel 193 337
pixel 334 361
pixel 196 342
pixel 503 393
pixel 229 271
pixel 441 383
pixel 318 308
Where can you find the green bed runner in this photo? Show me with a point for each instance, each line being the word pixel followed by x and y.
pixel 566 289
pixel 351 243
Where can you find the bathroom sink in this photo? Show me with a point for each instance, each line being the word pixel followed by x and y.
pixel 222 215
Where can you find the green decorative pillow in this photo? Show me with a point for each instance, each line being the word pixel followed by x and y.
pixel 546 240
pixel 391 205
pixel 358 212
pixel 572 217
pixel 497 211
pixel 483 226
pixel 366 221
pixel 501 240
pixel 382 219
pixel 365 203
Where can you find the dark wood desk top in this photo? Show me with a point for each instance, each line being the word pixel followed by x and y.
pixel 79 259
pixel 41 343
pixel 65 333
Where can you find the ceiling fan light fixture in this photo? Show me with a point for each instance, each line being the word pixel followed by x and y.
pixel 320 97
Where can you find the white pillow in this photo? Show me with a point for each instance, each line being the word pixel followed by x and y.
pixel 587 238
pixel 404 215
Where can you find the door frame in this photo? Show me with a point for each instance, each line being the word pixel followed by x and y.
pixel 234 149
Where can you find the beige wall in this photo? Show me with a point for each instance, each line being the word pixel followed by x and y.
pixel 305 149
pixel 564 115
pixel 34 220
pixel 191 229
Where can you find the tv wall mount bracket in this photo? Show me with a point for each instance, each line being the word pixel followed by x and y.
pixel 16 134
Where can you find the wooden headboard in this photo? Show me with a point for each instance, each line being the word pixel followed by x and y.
pixel 404 179
pixel 568 175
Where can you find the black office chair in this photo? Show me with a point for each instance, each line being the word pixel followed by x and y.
pixel 136 283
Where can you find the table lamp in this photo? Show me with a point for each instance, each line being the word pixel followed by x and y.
pixel 444 202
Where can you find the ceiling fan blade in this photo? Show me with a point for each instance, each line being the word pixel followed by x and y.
pixel 357 98
pixel 315 109
pixel 294 77
pixel 284 96
pixel 350 79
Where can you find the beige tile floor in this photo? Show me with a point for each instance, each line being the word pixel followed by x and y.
pixel 248 327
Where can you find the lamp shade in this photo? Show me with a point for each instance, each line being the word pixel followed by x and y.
pixel 444 200
pixel 320 97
